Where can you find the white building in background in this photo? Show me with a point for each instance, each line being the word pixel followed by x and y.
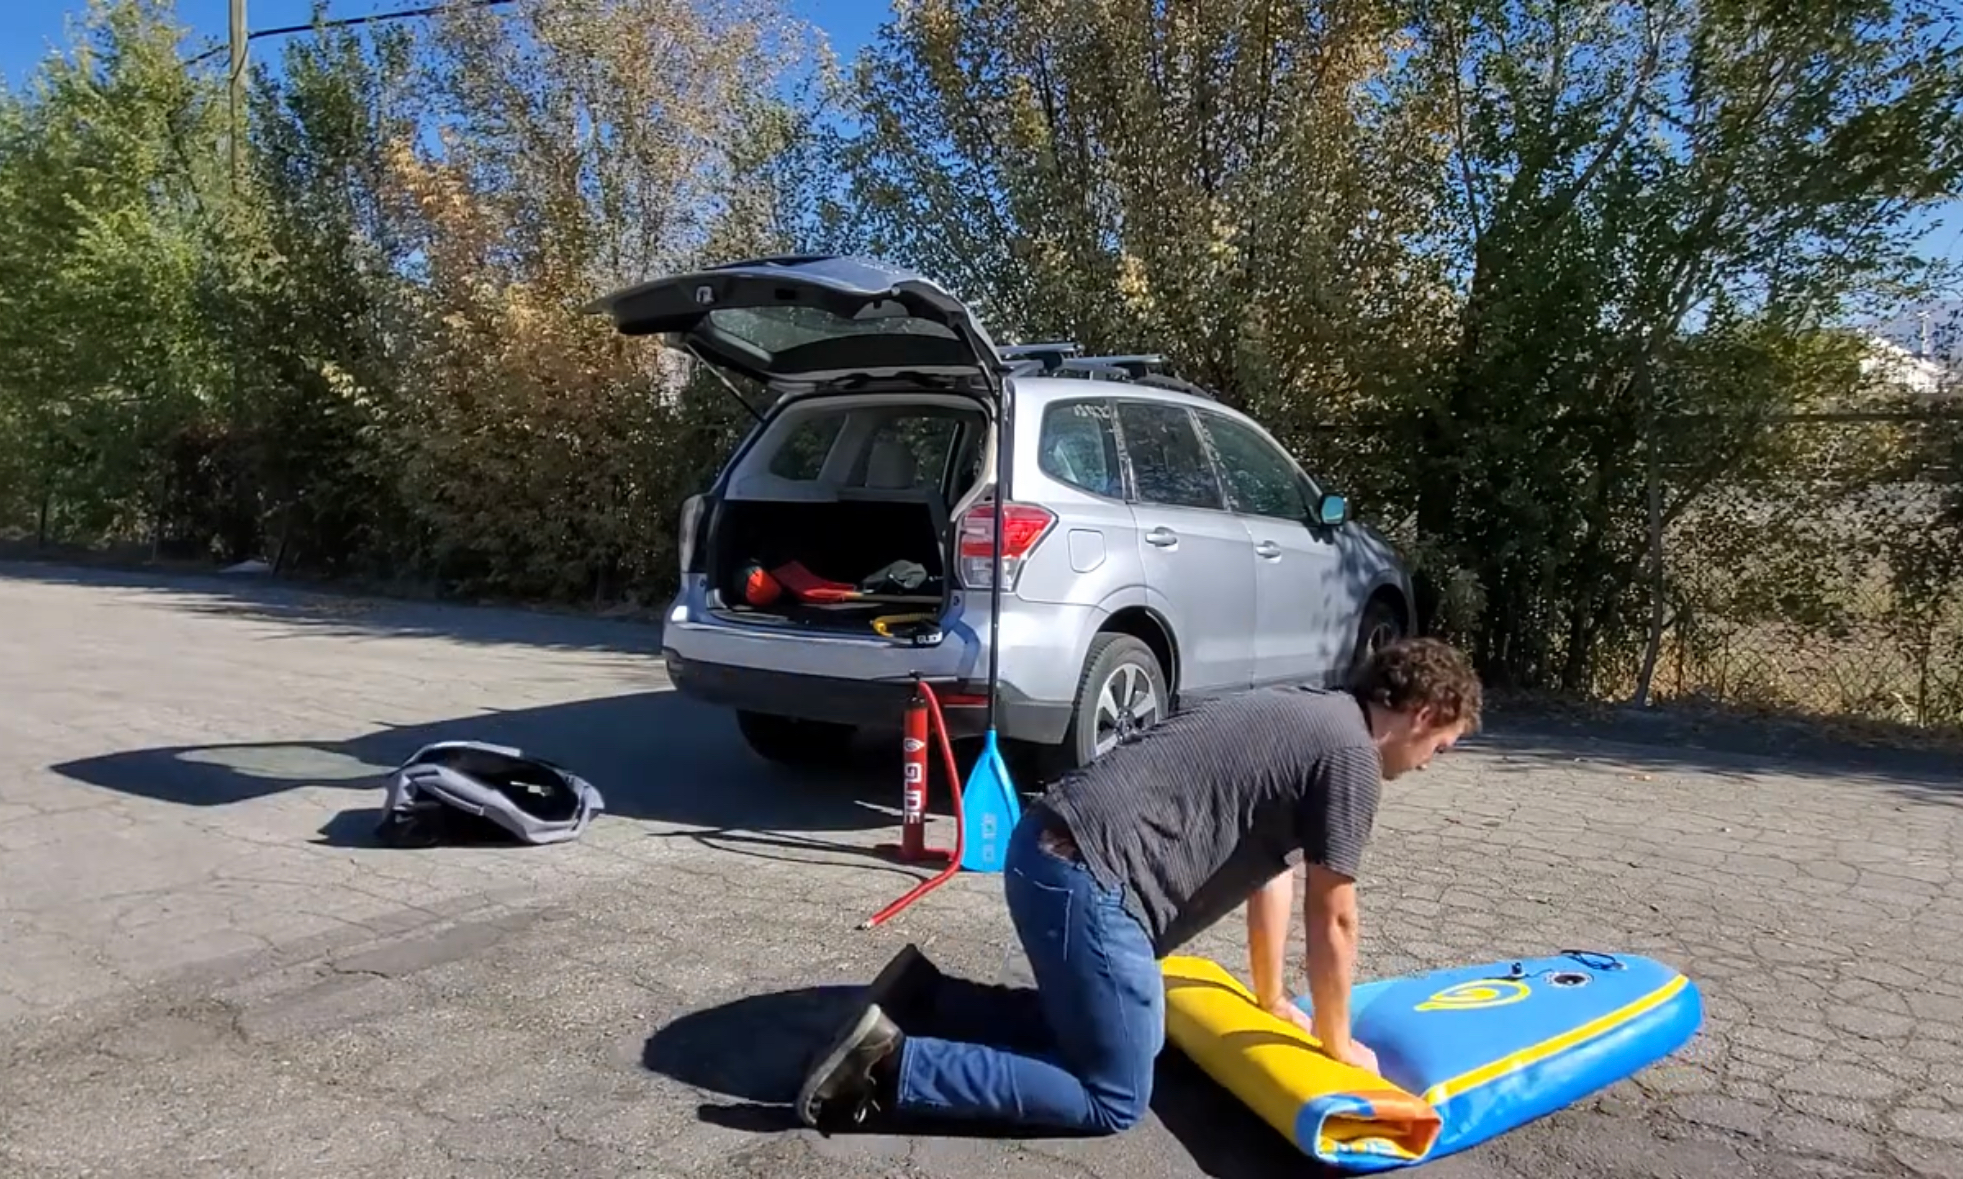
pixel 1918 376
pixel 1920 350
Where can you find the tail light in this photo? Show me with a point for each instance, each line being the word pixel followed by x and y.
pixel 691 522
pixel 1023 528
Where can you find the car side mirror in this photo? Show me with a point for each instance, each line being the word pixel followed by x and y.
pixel 1332 511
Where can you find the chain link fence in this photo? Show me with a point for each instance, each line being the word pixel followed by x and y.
pixel 1830 590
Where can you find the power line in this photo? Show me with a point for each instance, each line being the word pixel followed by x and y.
pixel 349 21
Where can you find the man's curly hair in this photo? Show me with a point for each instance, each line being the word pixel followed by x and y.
pixel 1416 673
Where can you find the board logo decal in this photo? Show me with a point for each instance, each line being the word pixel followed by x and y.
pixel 1477 995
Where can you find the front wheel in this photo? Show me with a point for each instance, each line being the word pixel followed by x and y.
pixel 1382 625
pixel 1121 693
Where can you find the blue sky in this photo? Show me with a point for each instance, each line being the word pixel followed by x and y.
pixel 30 29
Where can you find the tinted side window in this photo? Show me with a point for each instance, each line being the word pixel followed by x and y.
pixel 802 454
pixel 1078 447
pixel 1167 459
pixel 1260 479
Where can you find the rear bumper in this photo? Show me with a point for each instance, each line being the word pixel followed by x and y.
pixel 876 704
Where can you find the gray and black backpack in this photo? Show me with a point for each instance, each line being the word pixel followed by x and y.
pixel 473 792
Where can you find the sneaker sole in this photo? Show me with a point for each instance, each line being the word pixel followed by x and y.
pixel 807 1095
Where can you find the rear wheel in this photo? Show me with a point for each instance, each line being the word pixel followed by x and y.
pixel 1121 693
pixel 793 742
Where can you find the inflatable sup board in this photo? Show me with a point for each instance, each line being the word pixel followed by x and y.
pixel 1465 1054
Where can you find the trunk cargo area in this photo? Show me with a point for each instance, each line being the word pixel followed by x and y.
pixel 834 565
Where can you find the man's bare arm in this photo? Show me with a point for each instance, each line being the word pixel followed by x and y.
pixel 1268 913
pixel 1330 920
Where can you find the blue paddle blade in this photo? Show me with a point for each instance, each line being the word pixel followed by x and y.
pixel 989 811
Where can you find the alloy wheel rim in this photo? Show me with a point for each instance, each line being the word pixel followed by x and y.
pixel 1127 703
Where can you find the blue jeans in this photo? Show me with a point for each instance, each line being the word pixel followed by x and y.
pixel 1076 1053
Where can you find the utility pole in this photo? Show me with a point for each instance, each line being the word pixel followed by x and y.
pixel 237 82
pixel 235 142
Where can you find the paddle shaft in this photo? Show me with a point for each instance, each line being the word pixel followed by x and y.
pixel 995 578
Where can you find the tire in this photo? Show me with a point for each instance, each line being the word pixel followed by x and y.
pixel 1122 690
pixel 1382 623
pixel 797 743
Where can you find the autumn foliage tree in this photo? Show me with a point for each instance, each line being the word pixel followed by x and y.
pixel 368 351
pixel 1541 284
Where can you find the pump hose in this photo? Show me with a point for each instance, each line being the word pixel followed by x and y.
pixel 954 788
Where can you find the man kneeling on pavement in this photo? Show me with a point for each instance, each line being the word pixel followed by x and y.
pixel 1122 862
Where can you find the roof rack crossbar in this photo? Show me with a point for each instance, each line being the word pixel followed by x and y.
pixel 1066 359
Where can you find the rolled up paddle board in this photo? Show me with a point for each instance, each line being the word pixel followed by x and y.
pixel 1465 1054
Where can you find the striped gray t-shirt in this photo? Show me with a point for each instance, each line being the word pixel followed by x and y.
pixel 1216 800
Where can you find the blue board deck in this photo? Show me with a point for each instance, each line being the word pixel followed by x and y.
pixel 1494 1046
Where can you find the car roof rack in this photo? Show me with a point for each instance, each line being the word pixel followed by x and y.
pixel 1065 358
pixel 1048 355
pixel 1093 370
pixel 1138 364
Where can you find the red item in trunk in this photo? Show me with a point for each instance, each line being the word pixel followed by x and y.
pixel 809 587
pixel 759 587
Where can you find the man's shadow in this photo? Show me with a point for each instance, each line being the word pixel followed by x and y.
pixel 754 1052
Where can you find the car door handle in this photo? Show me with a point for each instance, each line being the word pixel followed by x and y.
pixel 1268 548
pixel 1162 536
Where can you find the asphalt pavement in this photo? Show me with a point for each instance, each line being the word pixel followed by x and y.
pixel 207 966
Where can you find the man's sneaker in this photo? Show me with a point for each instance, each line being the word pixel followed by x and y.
pixel 856 1073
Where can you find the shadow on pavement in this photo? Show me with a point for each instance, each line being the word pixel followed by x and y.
pixel 353 829
pixel 754 1050
pixel 653 755
pixel 329 611
pixel 1226 1139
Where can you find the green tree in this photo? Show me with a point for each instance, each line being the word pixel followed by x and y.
pixel 1638 187
pixel 111 179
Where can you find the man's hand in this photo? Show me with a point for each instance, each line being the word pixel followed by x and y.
pixel 1356 1052
pixel 1361 1056
pixel 1285 1010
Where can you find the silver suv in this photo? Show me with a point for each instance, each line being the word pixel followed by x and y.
pixel 1156 543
